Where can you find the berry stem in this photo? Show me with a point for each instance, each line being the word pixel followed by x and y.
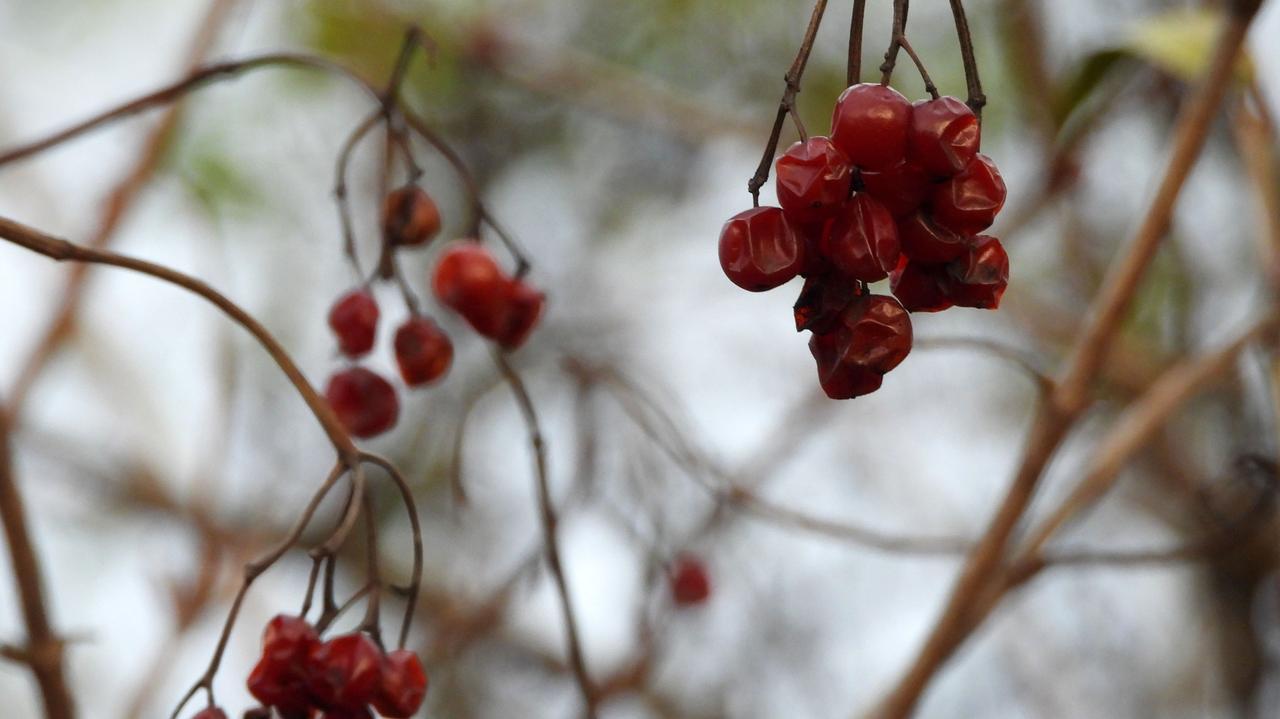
pixel 340 190
pixel 550 521
pixel 900 8
pixel 853 73
pixel 976 100
pixel 415 525
pixel 787 106
pixel 929 87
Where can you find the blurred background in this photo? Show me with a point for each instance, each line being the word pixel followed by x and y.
pixel 160 449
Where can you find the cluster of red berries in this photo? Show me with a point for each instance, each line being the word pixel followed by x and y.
pixel 467 279
pixel 344 677
pixel 897 191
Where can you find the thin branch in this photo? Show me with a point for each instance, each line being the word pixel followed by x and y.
pixel 977 100
pixel 415 581
pixel 788 103
pixel 929 87
pixel 550 530
pixel 43 650
pixel 340 188
pixel 900 9
pixel 853 70
pixel 1055 418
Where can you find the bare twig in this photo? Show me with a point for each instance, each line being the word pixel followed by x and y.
pixel 853 71
pixel 976 100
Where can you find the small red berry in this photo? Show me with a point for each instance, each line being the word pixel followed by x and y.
pixel 812 180
pixel 944 136
pixel 468 280
pixel 524 308
pixel 210 713
pixel 981 275
pixel 968 203
pixel 423 351
pixel 345 672
pixel 288 639
pixel 822 300
pixel 861 241
pixel 902 189
pixel 404 684
pixel 921 287
pixel 870 126
pixel 924 240
pixel 409 216
pixel 354 319
pixel 872 336
pixel 280 686
pixel 759 250
pixel 690 583
pixel 365 403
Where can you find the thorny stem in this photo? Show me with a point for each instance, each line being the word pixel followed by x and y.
pixel 550 531
pixel 976 100
pixel 787 106
pixel 853 72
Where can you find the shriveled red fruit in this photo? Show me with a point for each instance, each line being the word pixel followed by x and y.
pixel 759 250
pixel 345 672
pixel 812 180
pixel 981 276
pixel 902 189
pixel 409 216
pixel 281 687
pixel 423 351
pixel 356 713
pixel 921 287
pixel 365 403
pixel 870 126
pixel 288 639
pixel 524 306
pixel 210 713
pixel 944 136
pixel 822 300
pixel 968 203
pixel 872 336
pixel 404 684
pixel 690 583
pixel 861 241
pixel 354 320
pixel 468 280
pixel 925 240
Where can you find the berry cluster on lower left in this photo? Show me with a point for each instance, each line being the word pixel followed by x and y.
pixel 346 677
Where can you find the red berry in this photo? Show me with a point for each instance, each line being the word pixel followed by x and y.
pixel 288 639
pixel 210 713
pixel 870 126
pixel 524 308
pixel 944 136
pixel 861 241
pixel 404 684
pixel 355 713
pixel 689 581
pixel 902 189
pixel 924 240
pixel 409 216
pixel 822 300
pixel 759 250
pixel 354 319
pixel 423 351
pixel 345 672
pixel 981 276
pixel 365 403
pixel 921 287
pixel 812 180
pixel 280 686
pixel 871 337
pixel 968 203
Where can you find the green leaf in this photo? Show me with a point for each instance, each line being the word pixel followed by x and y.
pixel 1179 42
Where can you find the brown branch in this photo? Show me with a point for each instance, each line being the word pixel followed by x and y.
pixel 43 650
pixel 976 100
pixel 853 70
pixel 1056 417
pixel 550 529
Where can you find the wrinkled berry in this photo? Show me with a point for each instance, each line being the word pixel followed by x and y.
pixel 759 250
pixel 354 320
pixel 924 240
pixel 365 403
pixel 822 299
pixel 812 180
pixel 968 203
pixel 871 337
pixel 468 280
pixel 345 672
pixel 861 241
pixel 404 684
pixel 921 287
pixel 870 126
pixel 981 275
pixel 902 189
pixel 944 136
pixel 423 351
pixel 409 216
pixel 524 307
